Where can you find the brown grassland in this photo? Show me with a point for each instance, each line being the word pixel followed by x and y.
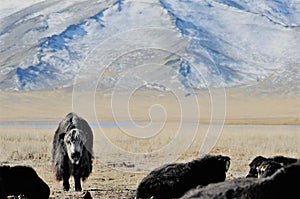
pixel 254 126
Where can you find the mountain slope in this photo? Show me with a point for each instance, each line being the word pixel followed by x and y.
pixel 222 43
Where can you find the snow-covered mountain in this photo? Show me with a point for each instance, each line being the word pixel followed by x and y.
pixel 154 43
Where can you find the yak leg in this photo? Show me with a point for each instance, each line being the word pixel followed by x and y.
pixel 77 183
pixel 66 183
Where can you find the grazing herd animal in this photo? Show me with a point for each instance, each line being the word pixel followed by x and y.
pixel 284 183
pixel 73 151
pixel 278 173
pixel 205 177
pixel 173 180
pixel 263 167
pixel 22 180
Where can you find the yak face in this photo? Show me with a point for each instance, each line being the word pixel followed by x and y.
pixel 268 168
pixel 254 165
pixel 225 161
pixel 74 141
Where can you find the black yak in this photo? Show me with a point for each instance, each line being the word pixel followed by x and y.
pixel 72 151
pixel 262 167
pixel 173 180
pixel 22 180
pixel 284 183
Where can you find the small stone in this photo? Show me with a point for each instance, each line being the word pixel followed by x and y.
pixel 86 195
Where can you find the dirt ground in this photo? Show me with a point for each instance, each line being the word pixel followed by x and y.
pixel 125 152
pixel 32 146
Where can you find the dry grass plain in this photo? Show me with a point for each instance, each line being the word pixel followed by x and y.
pixel 254 126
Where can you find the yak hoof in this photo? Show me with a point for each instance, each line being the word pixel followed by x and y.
pixel 66 187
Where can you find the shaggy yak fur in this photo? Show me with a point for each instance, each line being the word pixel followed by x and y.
pixel 72 151
pixel 22 180
pixel 173 180
pixel 263 167
pixel 284 183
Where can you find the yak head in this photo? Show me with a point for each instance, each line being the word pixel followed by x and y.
pixel 268 168
pixel 255 163
pixel 74 140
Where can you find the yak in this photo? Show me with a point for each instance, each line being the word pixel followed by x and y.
pixel 262 167
pixel 284 183
pixel 173 180
pixel 22 180
pixel 72 151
